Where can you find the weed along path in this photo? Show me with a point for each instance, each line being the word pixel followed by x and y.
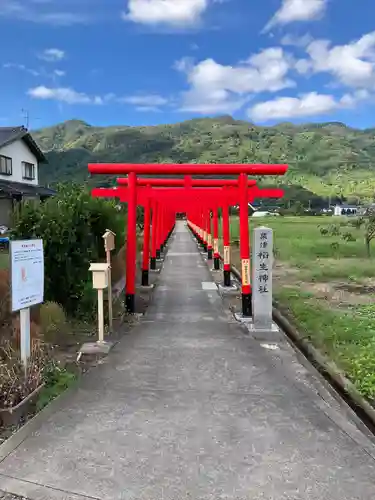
pixel 189 406
pixel 325 283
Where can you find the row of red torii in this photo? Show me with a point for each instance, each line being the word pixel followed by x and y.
pixel 200 199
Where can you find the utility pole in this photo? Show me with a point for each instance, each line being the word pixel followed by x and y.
pixel 26 117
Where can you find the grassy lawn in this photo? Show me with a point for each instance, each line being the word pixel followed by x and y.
pixel 327 285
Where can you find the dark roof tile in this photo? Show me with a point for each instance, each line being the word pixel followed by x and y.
pixel 14 188
pixel 11 134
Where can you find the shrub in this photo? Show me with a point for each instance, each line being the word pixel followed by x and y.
pixel 15 385
pixel 16 331
pixel 52 318
pixel 334 230
pixel 348 237
pixel 71 225
pixel 87 308
pixel 56 380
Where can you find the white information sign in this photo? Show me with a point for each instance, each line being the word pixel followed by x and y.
pixel 27 273
pixel 262 277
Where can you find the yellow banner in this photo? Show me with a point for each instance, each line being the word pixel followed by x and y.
pixel 227 255
pixel 245 272
pixel 216 245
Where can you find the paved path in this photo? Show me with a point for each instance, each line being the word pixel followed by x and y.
pixel 187 406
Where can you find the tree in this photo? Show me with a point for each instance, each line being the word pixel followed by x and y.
pixel 368 222
pixel 72 225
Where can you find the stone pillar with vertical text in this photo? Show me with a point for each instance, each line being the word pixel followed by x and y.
pixel 262 264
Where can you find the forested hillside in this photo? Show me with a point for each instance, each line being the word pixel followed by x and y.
pixel 327 158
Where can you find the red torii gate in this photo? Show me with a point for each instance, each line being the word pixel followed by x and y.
pixel 179 200
pixel 186 169
pixel 187 181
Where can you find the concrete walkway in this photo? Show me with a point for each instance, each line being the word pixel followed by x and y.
pixel 188 406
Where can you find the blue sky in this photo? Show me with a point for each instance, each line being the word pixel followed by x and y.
pixel 144 62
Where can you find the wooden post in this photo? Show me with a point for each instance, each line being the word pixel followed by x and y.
pixel 109 245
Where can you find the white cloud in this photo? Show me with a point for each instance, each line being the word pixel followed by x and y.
pixel 40 72
pixel 184 65
pixel 63 94
pixel 352 64
pixel 68 95
pixel 216 88
pixel 21 67
pixel 37 11
pixel 52 55
pixel 147 109
pixel 351 100
pixel 169 12
pixel 145 101
pixel 297 10
pixel 305 105
pixel 296 41
pixel 291 107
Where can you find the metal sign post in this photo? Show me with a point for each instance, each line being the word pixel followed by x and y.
pixel 27 286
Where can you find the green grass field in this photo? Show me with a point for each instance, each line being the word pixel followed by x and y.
pixel 327 285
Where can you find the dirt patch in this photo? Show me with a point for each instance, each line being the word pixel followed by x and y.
pixel 356 288
pixel 342 295
pixel 337 294
pixel 284 274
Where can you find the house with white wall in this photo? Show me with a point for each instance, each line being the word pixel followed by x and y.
pixel 345 210
pixel 20 157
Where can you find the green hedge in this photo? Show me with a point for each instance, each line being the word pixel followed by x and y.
pixel 71 225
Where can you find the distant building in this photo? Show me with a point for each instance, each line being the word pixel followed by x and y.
pixel 345 210
pixel 260 213
pixel 365 209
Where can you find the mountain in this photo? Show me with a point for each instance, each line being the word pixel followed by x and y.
pixel 326 158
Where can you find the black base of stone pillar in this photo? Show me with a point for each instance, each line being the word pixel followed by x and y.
pixel 209 254
pixel 130 303
pixel 153 263
pixel 158 254
pixel 247 310
pixel 205 247
pixel 227 280
pixel 144 277
pixel 217 264
pixel 162 247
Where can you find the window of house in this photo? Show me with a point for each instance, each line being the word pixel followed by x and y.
pixel 28 170
pixel 5 165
